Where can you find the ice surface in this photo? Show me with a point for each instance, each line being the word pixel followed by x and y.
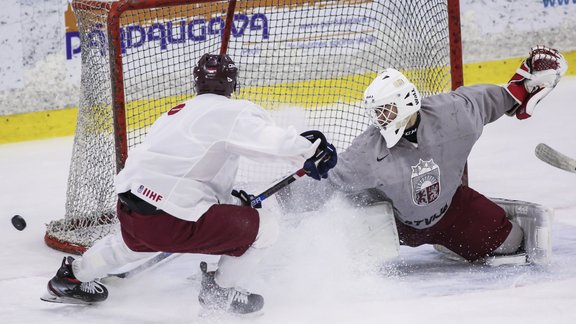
pixel 311 275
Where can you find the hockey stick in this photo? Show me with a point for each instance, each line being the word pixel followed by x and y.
pixel 275 188
pixel 144 266
pixel 258 199
pixel 555 158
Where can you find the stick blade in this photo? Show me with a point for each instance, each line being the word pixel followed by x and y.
pixel 555 158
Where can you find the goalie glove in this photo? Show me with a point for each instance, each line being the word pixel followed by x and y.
pixel 535 78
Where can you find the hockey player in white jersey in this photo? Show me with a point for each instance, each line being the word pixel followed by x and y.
pixel 416 154
pixel 175 193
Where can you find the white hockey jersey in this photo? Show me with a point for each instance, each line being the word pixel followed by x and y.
pixel 190 157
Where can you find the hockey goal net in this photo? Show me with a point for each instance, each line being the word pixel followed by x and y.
pixel 307 61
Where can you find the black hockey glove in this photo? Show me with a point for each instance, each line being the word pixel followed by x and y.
pixel 329 161
pixel 245 198
pixel 324 159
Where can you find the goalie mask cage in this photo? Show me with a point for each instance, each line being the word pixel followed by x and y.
pixel 319 56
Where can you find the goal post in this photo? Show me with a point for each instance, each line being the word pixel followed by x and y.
pixel 310 58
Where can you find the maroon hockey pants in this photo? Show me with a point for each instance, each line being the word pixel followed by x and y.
pixel 473 226
pixel 223 229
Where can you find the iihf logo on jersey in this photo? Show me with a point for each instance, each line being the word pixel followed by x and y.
pixel 149 193
pixel 425 180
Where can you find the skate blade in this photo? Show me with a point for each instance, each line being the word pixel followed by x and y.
pixel 50 298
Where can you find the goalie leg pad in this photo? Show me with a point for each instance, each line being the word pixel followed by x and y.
pixel 374 236
pixel 536 223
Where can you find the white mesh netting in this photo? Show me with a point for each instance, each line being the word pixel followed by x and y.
pixel 306 61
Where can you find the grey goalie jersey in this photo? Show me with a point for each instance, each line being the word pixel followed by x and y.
pixel 420 180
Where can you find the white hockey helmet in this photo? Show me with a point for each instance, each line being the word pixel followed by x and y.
pixel 390 100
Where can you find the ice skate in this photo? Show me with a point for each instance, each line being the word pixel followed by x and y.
pixel 65 288
pixel 231 300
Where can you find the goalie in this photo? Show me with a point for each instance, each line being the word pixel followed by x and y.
pixel 416 154
pixel 174 194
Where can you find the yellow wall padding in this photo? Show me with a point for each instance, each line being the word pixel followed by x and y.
pixel 37 125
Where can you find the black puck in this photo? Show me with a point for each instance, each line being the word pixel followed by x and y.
pixel 18 222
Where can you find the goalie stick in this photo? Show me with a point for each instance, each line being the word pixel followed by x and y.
pixel 258 199
pixel 555 158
